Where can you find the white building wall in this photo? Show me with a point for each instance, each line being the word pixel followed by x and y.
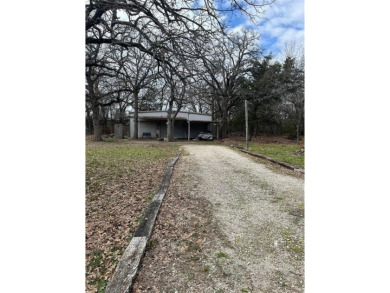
pixel 147 126
pixel 143 126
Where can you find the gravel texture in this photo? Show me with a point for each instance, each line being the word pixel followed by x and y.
pixel 227 224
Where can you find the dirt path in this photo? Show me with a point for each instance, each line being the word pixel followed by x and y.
pixel 227 224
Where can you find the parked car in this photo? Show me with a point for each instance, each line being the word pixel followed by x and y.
pixel 204 136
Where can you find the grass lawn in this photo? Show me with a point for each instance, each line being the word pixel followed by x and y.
pixel 280 152
pixel 121 179
pixel 277 147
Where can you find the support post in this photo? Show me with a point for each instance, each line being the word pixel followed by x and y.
pixel 189 129
pixel 246 125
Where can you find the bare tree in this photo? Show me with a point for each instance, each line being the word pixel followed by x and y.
pixel 292 87
pixel 103 87
pixel 175 88
pixel 138 71
pixel 225 61
pixel 107 21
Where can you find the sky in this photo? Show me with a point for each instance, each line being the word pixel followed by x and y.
pixel 284 22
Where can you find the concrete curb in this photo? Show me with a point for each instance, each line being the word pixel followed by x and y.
pixel 126 270
pixel 291 167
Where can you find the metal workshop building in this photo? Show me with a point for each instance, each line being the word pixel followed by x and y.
pixel 154 124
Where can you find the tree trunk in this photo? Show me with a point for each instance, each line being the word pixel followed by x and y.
pixel 299 122
pixel 89 123
pixel 257 129
pixel 173 128
pixel 122 113
pixel 135 114
pixel 224 120
pixel 169 129
pixel 96 125
pixel 103 111
pixel 169 121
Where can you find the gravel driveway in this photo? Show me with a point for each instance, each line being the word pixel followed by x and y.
pixel 227 224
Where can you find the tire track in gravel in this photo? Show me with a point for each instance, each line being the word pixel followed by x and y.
pixel 249 228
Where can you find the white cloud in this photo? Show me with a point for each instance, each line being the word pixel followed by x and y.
pixel 237 29
pixel 285 23
pixel 286 37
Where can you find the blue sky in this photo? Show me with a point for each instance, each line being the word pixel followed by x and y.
pixel 284 22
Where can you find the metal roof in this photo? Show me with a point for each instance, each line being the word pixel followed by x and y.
pixel 158 115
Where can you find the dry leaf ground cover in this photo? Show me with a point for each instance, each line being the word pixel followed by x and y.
pixel 227 224
pixel 121 179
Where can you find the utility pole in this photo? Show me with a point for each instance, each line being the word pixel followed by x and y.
pixel 246 124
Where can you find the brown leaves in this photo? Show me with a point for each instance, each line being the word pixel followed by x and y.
pixel 151 289
pixel 181 230
pixel 119 179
